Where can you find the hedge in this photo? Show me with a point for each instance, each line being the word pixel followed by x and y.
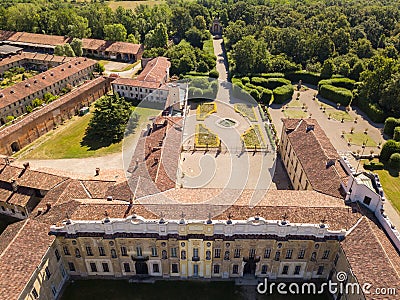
pixel 394 160
pixel 390 124
pixel 396 134
pixel 304 76
pixel 338 82
pixel 373 166
pixel 388 149
pixel 372 110
pixel 283 93
pixel 271 75
pixel 336 94
pixel 213 74
pixel 269 83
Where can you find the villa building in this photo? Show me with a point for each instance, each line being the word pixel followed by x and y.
pixel 150 82
pixel 310 159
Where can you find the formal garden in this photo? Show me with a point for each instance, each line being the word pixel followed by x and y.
pixel 246 111
pixel 253 138
pixel 204 138
pixel 205 109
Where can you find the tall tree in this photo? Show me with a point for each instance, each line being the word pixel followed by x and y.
pixel 76 46
pixel 181 20
pixel 157 38
pixel 115 32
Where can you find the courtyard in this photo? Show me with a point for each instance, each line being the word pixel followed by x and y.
pixel 225 144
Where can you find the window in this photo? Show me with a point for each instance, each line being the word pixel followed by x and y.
pixel 35 293
pixel 336 259
pixel 289 254
pixel 226 256
pixel 77 253
pixel 48 274
pixel 285 270
pixel 326 254
pixel 113 253
pixel 183 254
pixel 267 253
pixel 89 251
pixel 93 267
pixel 66 250
pixel 127 267
pixel 63 274
pixel 313 256
pixel 57 254
pixel 320 270
pixel 237 253
pixel 195 252
pixel 217 253
pixel 216 269
pixel 301 254
pixel 175 268
pixel 156 268
pixel 164 254
pixel 208 255
pixel 101 251
pixel 252 253
pixel 264 269
pixel 235 269
pixel 105 267
pixel 71 266
pixel 297 270
pixel 139 251
pixel 154 251
pixel 277 255
pixel 123 251
pixel 53 290
pixel 173 252
pixel 367 200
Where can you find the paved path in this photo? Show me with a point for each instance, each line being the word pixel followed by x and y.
pixel 222 61
pixel 113 65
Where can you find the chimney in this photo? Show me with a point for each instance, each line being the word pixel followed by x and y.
pixel 48 206
pixel 310 127
pixel 97 171
pixel 109 198
pixel 14 185
pixel 26 165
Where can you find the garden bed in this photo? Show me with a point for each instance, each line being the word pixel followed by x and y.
pixel 204 138
pixel 247 111
pixel 253 138
pixel 205 109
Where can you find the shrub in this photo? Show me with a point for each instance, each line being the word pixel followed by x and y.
pixel 304 76
pixel 374 166
pixel 390 124
pixel 372 110
pixel 283 93
pixel 245 80
pixel 271 75
pixel 336 94
pixel 396 134
pixel 394 160
pixel 338 82
pixel 266 96
pixel 269 83
pixel 213 74
pixel 388 149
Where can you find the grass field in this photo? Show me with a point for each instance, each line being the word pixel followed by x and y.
pixel 295 103
pixel 66 141
pixel 253 137
pixel 127 68
pixel 295 113
pixel 339 115
pixel 358 138
pixel 132 4
pixel 391 186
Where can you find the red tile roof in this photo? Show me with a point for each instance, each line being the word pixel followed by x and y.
pixel 314 150
pixel 119 47
pixel 39 82
pixel 155 70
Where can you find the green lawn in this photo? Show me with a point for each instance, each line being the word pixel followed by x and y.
pixel 339 115
pixel 17 78
pixel 358 138
pixel 295 103
pixel 66 141
pixel 127 68
pixel 391 186
pixel 208 46
pixel 295 113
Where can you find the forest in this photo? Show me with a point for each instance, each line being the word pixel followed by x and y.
pixel 311 40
